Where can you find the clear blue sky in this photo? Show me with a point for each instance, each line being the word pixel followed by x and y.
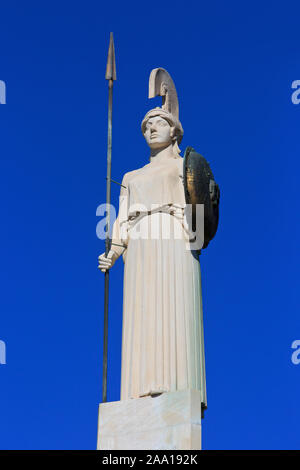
pixel 233 64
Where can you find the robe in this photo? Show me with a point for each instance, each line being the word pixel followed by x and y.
pixel 162 335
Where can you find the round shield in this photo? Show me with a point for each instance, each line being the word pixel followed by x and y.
pixel 200 188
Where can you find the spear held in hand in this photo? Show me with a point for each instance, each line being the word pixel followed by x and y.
pixel 110 75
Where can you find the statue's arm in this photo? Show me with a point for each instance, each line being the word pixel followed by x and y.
pixel 117 245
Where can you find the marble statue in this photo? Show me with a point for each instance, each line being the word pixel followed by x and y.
pixel 162 339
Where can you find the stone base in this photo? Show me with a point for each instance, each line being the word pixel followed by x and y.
pixel 168 421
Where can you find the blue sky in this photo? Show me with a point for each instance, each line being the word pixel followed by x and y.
pixel 233 65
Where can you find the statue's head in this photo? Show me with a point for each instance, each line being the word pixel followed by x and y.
pixel 161 126
pixel 161 129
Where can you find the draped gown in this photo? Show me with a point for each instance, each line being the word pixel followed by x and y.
pixel 162 336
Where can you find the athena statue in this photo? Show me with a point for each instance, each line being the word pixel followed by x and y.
pixel 162 336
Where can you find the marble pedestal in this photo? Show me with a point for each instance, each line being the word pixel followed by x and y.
pixel 168 421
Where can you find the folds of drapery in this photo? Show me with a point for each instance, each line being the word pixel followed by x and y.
pixel 162 338
pixel 162 342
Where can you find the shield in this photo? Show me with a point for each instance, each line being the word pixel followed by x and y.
pixel 200 188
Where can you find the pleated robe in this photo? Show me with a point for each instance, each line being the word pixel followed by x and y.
pixel 162 336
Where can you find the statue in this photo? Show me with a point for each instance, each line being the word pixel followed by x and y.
pixel 162 339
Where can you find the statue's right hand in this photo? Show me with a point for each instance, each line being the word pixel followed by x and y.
pixel 106 262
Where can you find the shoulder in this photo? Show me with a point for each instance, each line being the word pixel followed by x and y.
pixel 178 163
pixel 130 174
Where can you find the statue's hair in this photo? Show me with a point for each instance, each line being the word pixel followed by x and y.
pixel 173 123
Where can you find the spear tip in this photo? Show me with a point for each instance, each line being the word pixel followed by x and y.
pixel 110 73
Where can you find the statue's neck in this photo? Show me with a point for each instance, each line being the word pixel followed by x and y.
pixel 161 155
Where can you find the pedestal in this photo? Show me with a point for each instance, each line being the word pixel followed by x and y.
pixel 168 421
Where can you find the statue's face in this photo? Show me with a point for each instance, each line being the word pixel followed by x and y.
pixel 158 132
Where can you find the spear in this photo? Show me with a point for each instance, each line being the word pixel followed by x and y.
pixel 110 75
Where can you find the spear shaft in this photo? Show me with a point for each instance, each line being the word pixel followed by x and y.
pixel 110 76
